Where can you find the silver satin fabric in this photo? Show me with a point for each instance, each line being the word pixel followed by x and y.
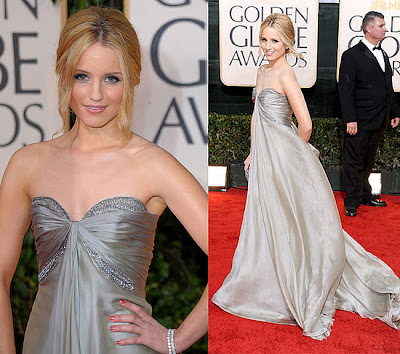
pixel 74 302
pixel 294 264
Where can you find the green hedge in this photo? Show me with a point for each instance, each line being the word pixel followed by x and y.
pixel 229 141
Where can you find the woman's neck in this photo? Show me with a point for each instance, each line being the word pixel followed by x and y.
pixel 278 62
pixel 87 139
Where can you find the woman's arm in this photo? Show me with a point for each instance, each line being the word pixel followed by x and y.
pixel 258 88
pixel 248 159
pixel 188 201
pixel 14 220
pixel 296 99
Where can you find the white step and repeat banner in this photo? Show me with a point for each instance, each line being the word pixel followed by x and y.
pixel 28 91
pixel 240 22
pixel 350 33
pixel 171 100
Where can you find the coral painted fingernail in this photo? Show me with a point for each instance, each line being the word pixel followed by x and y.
pixel 112 318
pixel 112 328
pixel 122 302
pixel 118 342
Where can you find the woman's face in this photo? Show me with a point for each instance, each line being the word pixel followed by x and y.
pixel 98 86
pixel 271 44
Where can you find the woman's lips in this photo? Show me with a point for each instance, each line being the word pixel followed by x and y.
pixel 94 108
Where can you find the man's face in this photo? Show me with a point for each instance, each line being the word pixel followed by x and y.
pixel 377 29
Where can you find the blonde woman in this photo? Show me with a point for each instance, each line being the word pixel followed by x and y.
pixel 294 264
pixel 94 196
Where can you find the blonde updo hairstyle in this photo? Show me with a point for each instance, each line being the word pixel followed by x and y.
pixel 111 29
pixel 283 25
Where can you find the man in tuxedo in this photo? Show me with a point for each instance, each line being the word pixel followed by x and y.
pixel 367 100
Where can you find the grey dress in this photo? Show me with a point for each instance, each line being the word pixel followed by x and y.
pixel 85 268
pixel 294 264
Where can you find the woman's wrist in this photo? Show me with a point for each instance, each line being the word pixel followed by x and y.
pixel 171 342
pixel 179 342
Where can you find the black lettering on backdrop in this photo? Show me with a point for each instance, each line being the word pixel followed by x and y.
pixel 246 59
pixel 18 61
pixel 231 14
pixel 300 37
pixel 396 67
pixel 16 124
pixel 156 60
pixel 355 23
pixel 181 123
pixel 253 15
pixel 352 40
pixel 234 29
pixel 31 123
pixel 392 24
pixel 299 62
pixel 3 70
pixel 246 41
pixel 298 13
pixel 31 8
pixel 198 120
pixel 396 45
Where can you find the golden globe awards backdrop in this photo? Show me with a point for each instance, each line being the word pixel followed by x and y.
pixel 240 22
pixel 28 89
pixel 171 100
pixel 350 33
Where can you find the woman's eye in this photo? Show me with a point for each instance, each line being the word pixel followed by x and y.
pixel 112 79
pixel 81 77
pixel 275 41
pixel 263 40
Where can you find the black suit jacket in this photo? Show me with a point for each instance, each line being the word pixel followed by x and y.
pixel 365 90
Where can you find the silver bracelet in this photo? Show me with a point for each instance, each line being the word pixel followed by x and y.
pixel 170 339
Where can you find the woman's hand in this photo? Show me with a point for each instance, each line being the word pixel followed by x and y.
pixel 247 162
pixel 151 333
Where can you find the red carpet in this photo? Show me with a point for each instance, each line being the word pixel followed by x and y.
pixel 377 229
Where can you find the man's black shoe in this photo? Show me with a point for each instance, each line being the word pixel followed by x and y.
pixel 375 203
pixel 350 211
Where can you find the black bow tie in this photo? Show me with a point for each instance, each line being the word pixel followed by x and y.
pixel 378 47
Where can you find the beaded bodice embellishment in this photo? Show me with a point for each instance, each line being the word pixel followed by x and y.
pixel 105 206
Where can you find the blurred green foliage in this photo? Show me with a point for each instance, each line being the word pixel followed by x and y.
pixel 228 138
pixel 178 272
pixel 229 141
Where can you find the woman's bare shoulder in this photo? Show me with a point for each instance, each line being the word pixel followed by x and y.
pixel 262 69
pixel 28 154
pixel 287 73
pixel 148 151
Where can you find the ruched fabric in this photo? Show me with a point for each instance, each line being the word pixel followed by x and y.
pixel 294 264
pixel 85 268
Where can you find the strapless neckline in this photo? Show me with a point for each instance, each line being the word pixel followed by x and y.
pixel 270 89
pixel 89 213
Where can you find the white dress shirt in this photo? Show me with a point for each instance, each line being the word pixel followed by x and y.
pixel 377 53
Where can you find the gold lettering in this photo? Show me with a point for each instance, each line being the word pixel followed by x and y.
pixel 374 5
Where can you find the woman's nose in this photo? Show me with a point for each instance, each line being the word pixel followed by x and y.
pixel 96 91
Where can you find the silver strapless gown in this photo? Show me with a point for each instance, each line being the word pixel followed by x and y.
pixel 85 268
pixel 294 264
